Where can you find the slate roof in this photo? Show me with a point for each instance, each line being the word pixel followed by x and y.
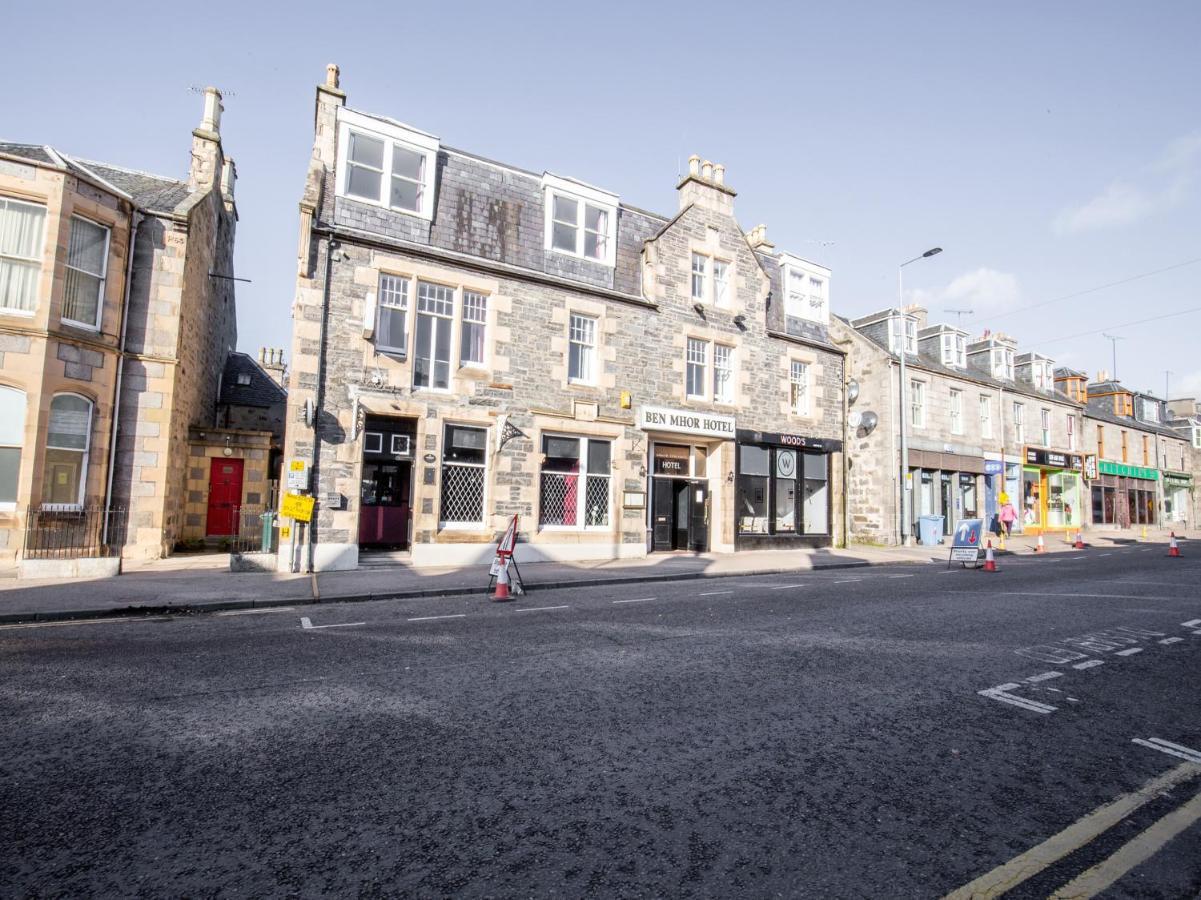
pixel 1097 409
pixel 262 390
pixel 152 193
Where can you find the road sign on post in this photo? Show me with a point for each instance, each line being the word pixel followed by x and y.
pixel 298 507
pixel 504 566
pixel 966 544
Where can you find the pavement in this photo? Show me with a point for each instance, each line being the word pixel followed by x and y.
pixel 896 730
pixel 191 583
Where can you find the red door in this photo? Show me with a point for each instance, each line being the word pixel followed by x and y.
pixel 225 497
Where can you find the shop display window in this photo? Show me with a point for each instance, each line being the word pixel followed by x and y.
pixel 1032 507
pixel 1063 500
pixel 754 468
pixel 817 502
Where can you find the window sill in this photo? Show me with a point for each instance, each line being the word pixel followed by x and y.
pixel 82 326
pixel 7 507
pixel 582 384
pixel 18 313
pixel 401 355
pixel 607 263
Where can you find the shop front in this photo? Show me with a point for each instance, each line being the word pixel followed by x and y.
pixel 1123 495
pixel 1177 497
pixel 1051 497
pixel 386 483
pixel 783 496
pixel 684 477
pixel 949 485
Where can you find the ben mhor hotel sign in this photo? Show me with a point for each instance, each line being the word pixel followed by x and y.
pixel 658 418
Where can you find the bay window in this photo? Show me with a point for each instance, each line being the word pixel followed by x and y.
pixel 392 315
pixel 22 237
pixel 574 489
pixel 68 440
pixel 464 463
pixel 954 351
pixel 435 312
pixel 902 331
pixel 581 356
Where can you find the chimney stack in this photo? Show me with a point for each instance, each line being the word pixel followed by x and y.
pixel 272 361
pixel 705 186
pixel 757 238
pixel 207 160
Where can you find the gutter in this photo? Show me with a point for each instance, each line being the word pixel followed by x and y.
pixel 135 223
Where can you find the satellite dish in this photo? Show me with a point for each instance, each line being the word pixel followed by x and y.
pixel 855 418
pixel 852 391
pixel 869 422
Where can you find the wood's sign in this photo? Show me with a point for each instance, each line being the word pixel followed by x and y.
pixel 821 445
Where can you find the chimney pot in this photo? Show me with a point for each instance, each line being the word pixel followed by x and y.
pixel 719 173
pixel 212 111
pixel 694 165
pixel 262 354
pixel 707 170
pixel 332 75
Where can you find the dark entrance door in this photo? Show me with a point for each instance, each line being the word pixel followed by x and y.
pixel 679 514
pixel 225 497
pixel 663 513
pixel 698 519
pixel 948 504
pixel 385 507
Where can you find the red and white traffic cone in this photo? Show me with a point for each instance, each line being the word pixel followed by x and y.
pixel 1079 545
pixel 502 584
pixel 990 564
pixel 1173 549
pixel 1042 547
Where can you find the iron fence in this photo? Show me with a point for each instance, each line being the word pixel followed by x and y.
pixel 253 522
pixel 88 532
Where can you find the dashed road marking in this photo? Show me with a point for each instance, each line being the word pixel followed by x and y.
pixel 1130 652
pixel 637 600
pixel 1091 664
pixel 847 580
pixel 1172 640
pixel 713 593
pixel 1045 676
pixel 1191 623
pixel 540 608
pixel 1001 692
pixel 1177 750
pixel 254 612
pixel 1105 554
pixel 432 618
pixel 105 621
pixel 900 576
pixel 307 624
pixel 785 587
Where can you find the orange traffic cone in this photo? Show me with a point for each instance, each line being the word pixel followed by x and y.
pixel 502 584
pixel 990 564
pixel 1173 550
pixel 1079 545
pixel 1042 547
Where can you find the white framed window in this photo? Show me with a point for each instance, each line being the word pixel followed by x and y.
pixel 700 280
pixel 1043 376
pixel 574 485
pixel 721 282
pixel 373 442
pixel 391 334
pixel 985 416
pixel 806 289
pixel 431 354
pixel 798 387
pixel 956 411
pixel 1071 425
pixel 243 378
pixel 954 350
pixel 464 475
pixel 68 442
pixel 12 438
pixel 1019 423
pixel 697 364
pixel 401 444
pixel 723 373
pixel 917 404
pixel 22 242
pixel 1197 436
pixel 581 220
pixel 473 329
pixel 581 355
pixel 386 164
pixel 87 265
pixel 1150 410
pixel 902 329
pixel 817 299
pixel 1002 363
pixel 1044 427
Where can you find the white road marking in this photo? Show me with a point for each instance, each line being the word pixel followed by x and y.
pixel 1045 676
pixel 540 608
pixel 785 587
pixel 1169 748
pixel 1091 664
pixel 1105 554
pixel 847 580
pixel 1130 652
pixel 900 576
pixel 1191 623
pixel 308 625
pixel 104 621
pixel 713 593
pixel 1001 693
pixel 1175 640
pixel 254 612
pixel 639 600
pixel 431 618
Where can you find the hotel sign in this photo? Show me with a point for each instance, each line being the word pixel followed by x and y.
pixel 682 421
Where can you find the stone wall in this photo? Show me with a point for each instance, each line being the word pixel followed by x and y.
pixel 208 444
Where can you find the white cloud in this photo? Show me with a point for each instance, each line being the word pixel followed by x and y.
pixel 983 291
pixel 1158 186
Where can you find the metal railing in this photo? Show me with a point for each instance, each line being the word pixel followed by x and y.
pixel 256 531
pixel 87 532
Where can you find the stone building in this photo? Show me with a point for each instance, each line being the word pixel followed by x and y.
pixel 116 316
pixel 1184 417
pixel 1143 466
pixel 473 341
pixel 982 422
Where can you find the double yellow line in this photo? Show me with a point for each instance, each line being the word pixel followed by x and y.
pixel 1092 881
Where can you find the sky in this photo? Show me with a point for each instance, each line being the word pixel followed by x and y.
pixel 1052 150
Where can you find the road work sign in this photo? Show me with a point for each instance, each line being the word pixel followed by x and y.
pixel 297 507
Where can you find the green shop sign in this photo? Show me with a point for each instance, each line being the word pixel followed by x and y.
pixel 1175 478
pixel 1113 468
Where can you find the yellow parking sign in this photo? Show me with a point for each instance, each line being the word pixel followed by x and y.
pixel 297 507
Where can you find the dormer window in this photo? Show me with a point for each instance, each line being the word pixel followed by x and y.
pixel 1041 371
pixel 954 350
pixel 1150 410
pixel 1123 405
pixel 805 287
pixel 386 163
pixel 581 220
pixel 1002 363
pixel 899 326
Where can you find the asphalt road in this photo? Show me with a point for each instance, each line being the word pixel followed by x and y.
pixel 823 735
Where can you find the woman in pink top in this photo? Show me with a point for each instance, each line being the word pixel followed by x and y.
pixel 1008 516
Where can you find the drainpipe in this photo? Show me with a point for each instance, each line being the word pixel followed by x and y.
pixel 315 467
pixel 112 438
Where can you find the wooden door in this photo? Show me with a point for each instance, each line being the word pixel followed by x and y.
pixel 225 497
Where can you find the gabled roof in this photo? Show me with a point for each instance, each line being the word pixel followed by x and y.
pixel 262 390
pixel 1101 409
pixel 32 152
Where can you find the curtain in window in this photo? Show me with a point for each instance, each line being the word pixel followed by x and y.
pixel 85 272
pixel 22 227
pixel 12 436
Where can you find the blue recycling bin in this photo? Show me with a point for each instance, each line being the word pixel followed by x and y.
pixel 929 530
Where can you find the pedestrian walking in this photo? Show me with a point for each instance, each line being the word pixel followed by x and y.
pixel 1008 516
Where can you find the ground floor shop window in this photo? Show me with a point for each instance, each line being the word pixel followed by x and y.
pixel 782 491
pixel 1063 500
pixel 464 457
pixel 1032 504
pixel 754 469
pixel 575 477
pixel 816 517
pixel 1105 506
pixel 1142 506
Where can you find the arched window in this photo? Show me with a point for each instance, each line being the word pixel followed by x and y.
pixel 67 442
pixel 12 436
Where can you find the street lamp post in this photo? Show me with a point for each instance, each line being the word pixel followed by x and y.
pixel 906 491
